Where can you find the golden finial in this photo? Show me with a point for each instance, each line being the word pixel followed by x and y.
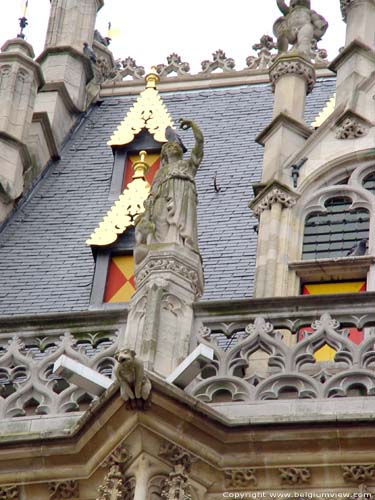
pixel 152 78
pixel 140 167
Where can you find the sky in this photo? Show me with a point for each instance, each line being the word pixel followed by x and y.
pixel 149 30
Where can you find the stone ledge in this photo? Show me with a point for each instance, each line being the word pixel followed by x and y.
pixel 333 269
pixel 73 53
pixel 283 120
pixel 356 46
pixel 42 118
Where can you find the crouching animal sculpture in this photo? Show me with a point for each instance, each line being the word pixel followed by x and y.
pixel 134 385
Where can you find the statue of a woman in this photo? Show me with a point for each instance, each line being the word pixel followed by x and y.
pixel 171 208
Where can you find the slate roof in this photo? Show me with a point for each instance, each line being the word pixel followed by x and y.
pixel 45 265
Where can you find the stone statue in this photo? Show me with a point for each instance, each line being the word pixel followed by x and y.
pixel 134 385
pixel 299 26
pixel 171 208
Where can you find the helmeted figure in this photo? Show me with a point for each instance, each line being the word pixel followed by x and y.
pixel 171 208
pixel 299 26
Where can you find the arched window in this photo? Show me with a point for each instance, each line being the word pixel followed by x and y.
pixel 336 231
pixel 369 182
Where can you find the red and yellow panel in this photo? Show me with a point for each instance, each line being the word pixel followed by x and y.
pixel 326 353
pixel 152 159
pixel 120 284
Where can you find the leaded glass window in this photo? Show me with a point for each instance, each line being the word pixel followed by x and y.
pixel 334 232
pixel 369 183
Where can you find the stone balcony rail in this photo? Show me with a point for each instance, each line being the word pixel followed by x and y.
pixel 257 359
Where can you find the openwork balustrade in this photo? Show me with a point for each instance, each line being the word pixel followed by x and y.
pixel 271 359
pixel 27 383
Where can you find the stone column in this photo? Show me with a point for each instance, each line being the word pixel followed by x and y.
pixel 355 64
pixel 273 207
pixel 360 18
pixel 292 77
pixel 160 320
pixel 20 78
pixel 66 69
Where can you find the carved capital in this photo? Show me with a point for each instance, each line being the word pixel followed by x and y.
pixel 63 489
pixel 9 492
pixel 275 195
pixel 293 66
pixel 295 475
pixel 240 478
pixel 358 473
pixel 351 128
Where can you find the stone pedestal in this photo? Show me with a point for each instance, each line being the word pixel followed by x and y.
pixel 20 78
pixel 169 280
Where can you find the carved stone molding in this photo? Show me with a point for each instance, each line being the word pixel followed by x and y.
pixel 293 66
pixel 359 473
pixel 276 195
pixel 176 455
pixel 119 456
pixel 240 478
pixel 170 264
pixel 9 493
pixel 351 128
pixel 176 486
pixel 219 60
pixel 295 475
pixel 344 5
pixel 103 71
pixel 175 65
pixel 63 489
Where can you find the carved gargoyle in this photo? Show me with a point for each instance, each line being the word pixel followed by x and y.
pixel 134 385
pixel 299 26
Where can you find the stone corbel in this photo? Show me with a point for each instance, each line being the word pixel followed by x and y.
pixel 275 192
pixel 293 65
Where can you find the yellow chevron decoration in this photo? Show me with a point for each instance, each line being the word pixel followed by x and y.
pixel 325 113
pixel 149 112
